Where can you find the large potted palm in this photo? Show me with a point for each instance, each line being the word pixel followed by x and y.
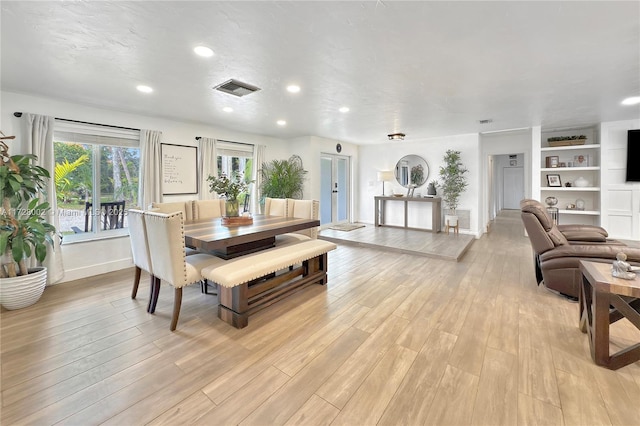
pixel 452 183
pixel 282 178
pixel 23 229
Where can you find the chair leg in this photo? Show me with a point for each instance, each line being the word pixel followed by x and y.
pixel 177 302
pixel 154 297
pixel 136 282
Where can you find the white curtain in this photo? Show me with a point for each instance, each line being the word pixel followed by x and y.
pixel 150 181
pixel 208 166
pixel 258 159
pixel 38 140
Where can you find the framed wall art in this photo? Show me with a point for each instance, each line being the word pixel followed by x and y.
pixel 179 169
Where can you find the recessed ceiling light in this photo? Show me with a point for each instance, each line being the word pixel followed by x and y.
pixel 203 51
pixel 144 89
pixel 227 109
pixel 344 109
pixel 293 88
pixel 633 100
pixel 281 122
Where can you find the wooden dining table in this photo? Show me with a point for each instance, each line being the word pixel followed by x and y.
pixel 227 242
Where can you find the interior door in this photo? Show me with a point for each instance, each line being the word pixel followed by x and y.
pixel 335 194
pixel 512 187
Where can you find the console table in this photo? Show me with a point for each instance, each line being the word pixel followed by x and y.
pixel 436 210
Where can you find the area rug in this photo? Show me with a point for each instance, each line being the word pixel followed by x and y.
pixel 346 226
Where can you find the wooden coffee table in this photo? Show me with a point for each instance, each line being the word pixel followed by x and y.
pixel 599 291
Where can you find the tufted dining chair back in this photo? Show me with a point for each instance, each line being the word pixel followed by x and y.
pixel 177 206
pixel 139 247
pixel 208 209
pixel 276 206
pixel 165 233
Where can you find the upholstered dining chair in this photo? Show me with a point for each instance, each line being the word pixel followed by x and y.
pixel 276 206
pixel 177 206
pixel 165 234
pixel 139 251
pixel 208 209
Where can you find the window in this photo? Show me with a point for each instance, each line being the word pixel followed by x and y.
pixel 235 159
pixel 95 166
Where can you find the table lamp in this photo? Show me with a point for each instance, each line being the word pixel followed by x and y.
pixel 385 176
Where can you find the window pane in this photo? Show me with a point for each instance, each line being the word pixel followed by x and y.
pixel 74 176
pixel 73 180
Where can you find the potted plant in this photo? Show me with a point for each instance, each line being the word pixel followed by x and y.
pixel 23 229
pixel 431 188
pixel 282 178
pixel 453 182
pixel 230 189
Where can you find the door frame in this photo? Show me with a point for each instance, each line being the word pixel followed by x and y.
pixel 348 186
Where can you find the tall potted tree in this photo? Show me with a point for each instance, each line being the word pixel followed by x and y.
pixel 23 229
pixel 453 182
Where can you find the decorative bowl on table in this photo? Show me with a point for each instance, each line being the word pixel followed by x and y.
pixel 398 195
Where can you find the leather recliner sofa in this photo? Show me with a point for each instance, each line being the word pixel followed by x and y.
pixel 558 257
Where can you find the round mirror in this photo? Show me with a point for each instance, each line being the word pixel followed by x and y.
pixel 412 171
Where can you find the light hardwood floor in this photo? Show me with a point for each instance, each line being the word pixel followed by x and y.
pixel 393 339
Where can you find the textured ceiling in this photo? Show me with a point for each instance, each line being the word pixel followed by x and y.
pixel 423 68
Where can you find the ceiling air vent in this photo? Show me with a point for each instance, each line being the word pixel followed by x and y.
pixel 236 88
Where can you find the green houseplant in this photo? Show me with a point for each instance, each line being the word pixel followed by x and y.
pixel 23 229
pixel 282 178
pixel 230 189
pixel 452 182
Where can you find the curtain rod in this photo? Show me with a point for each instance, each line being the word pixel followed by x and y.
pixel 19 114
pixel 222 140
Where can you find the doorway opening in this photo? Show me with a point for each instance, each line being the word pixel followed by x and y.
pixel 506 182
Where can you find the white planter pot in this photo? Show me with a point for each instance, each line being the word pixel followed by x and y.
pixel 20 292
pixel 451 219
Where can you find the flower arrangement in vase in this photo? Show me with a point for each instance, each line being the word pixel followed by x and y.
pixel 230 189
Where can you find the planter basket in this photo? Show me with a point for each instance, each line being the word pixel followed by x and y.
pixel 20 292
pixel 567 142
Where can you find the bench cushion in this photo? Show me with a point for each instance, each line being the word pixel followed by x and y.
pixel 247 268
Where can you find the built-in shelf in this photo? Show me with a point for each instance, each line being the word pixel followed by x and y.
pixel 582 212
pixel 570 169
pixel 571 188
pixel 570 147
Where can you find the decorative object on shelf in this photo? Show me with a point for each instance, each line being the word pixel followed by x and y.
pixel 551 161
pixel 23 229
pixel 412 170
pixel 385 176
pixel 567 140
pixel 453 182
pixel 554 180
pixel 230 189
pixel 431 188
pixel 581 182
pixel 398 195
pixel 581 160
pixel 579 204
pixel 562 164
pixel 551 201
pixel 621 268
pixel 568 184
pixel 569 163
pixel 571 206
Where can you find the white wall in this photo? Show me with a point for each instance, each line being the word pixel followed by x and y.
pixel 84 259
pixel 374 158
pixel 619 200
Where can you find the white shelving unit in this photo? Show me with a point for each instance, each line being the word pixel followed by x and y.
pixel 567 196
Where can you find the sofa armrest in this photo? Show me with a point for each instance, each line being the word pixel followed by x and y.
pixel 594 251
pixel 591 229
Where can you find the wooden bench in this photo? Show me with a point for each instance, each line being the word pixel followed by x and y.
pixel 250 283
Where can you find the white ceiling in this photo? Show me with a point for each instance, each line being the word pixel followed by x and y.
pixel 423 68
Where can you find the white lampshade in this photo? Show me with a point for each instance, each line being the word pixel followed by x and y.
pixel 385 176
